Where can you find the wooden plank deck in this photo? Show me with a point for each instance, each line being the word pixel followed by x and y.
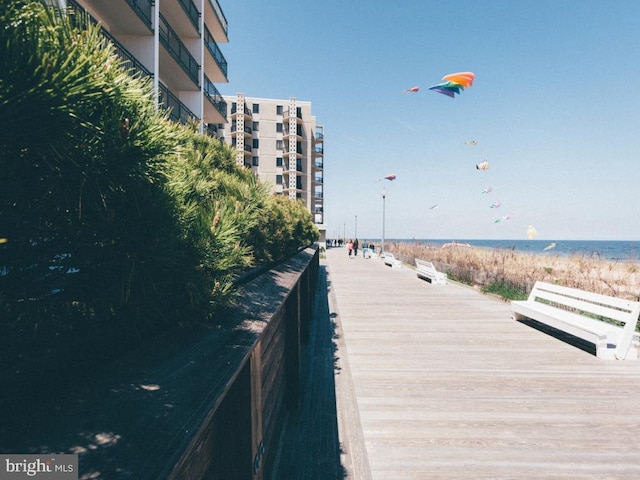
pixel 439 382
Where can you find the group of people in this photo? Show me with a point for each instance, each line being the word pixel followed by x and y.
pixel 353 245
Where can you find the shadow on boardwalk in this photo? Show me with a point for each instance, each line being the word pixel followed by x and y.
pixel 310 445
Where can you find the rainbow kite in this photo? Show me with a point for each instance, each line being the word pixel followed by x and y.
pixel 454 83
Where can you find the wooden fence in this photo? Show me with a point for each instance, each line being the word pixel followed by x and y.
pixel 204 405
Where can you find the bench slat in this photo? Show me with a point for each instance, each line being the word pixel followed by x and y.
pixel 584 305
pixel 619 303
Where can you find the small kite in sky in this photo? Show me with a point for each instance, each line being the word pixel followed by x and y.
pixel 550 246
pixel 412 90
pixel 471 142
pixel 433 207
pixel 502 219
pixel 390 177
pixel 454 83
pixel 487 190
pixel 483 165
pixel 531 232
pixel 495 205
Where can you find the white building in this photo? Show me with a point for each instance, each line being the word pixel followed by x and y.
pixel 175 43
pixel 282 143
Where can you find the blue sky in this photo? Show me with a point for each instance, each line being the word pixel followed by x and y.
pixel 554 107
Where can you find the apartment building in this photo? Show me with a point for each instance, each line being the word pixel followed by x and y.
pixel 282 143
pixel 173 42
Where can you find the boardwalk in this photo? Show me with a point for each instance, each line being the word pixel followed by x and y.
pixel 439 382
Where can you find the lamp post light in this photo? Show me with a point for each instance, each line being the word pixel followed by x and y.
pixel 356 229
pixel 384 196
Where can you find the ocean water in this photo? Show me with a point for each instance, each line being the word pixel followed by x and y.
pixel 612 250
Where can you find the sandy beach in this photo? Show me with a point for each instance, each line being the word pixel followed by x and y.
pixel 481 266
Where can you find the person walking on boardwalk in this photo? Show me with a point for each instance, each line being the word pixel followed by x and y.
pixel 355 247
pixel 350 248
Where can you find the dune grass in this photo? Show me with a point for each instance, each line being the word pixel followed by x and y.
pixel 510 273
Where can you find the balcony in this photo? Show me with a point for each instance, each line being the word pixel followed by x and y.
pixel 179 52
pixel 319 151
pixel 215 20
pixel 246 112
pixel 286 118
pixel 216 70
pixel 192 13
pixel 144 10
pixel 178 110
pixel 211 129
pixel 248 132
pixel 299 133
pixel 215 110
pixel 129 62
pixel 318 164
pixel 117 14
pixel 287 153
pixel 248 151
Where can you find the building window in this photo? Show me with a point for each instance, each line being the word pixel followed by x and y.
pixel 254 161
pixel 256 108
pixel 279 144
pixel 279 127
pixel 255 143
pixel 278 109
pixel 278 179
pixel 255 126
pixel 278 161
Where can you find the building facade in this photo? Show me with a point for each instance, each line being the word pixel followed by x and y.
pixel 173 42
pixel 284 146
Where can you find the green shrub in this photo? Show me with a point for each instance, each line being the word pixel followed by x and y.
pixel 506 291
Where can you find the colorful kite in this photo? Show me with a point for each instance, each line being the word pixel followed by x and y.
pixel 531 232
pixel 502 219
pixel 487 190
pixel 391 177
pixel 549 247
pixel 433 207
pixel 495 205
pixel 412 90
pixel 454 83
pixel 471 142
pixel 483 165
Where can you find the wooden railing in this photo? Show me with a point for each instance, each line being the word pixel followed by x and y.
pixel 199 405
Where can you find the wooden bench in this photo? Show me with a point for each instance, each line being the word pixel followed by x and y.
pixel 392 261
pixel 608 322
pixel 428 272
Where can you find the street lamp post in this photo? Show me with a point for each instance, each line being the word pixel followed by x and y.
pixel 356 230
pixel 384 196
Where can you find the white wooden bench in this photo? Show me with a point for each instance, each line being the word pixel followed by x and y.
pixel 586 315
pixel 392 261
pixel 427 271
